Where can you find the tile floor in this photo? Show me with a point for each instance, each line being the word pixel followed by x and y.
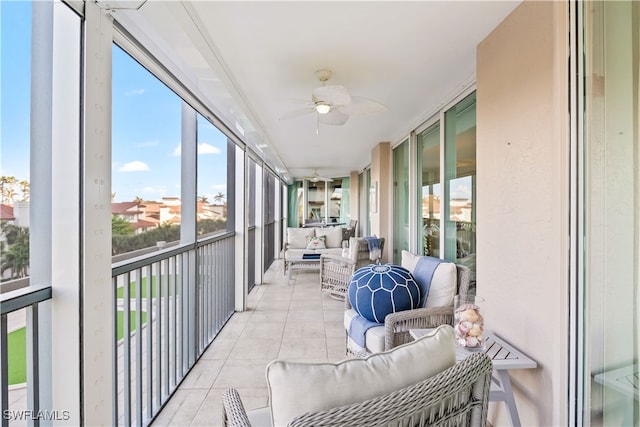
pixel 293 322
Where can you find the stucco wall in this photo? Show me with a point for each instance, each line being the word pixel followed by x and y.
pixel 523 201
pixel 381 215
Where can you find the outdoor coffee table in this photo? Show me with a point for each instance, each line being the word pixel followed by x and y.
pixel 504 357
pixel 302 262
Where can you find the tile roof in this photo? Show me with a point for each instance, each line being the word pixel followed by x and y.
pixel 6 213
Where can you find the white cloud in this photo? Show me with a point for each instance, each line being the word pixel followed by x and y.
pixel 219 187
pixel 147 144
pixel 135 166
pixel 135 92
pixel 205 148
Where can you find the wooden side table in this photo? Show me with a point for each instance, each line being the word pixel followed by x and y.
pixel 504 357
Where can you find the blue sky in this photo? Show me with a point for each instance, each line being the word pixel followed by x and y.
pixel 15 39
pixel 145 122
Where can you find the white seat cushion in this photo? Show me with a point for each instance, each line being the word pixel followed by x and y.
pixel 297 388
pixel 334 236
pixel 443 284
pixel 374 337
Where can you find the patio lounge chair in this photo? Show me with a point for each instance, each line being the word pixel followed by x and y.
pixel 418 384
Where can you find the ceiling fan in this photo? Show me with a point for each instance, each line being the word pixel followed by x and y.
pixel 333 104
pixel 317 177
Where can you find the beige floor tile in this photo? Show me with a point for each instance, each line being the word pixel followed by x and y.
pixel 263 330
pixel 334 329
pixel 303 348
pixel 306 305
pixel 266 305
pixel 333 315
pixel 210 412
pixel 304 330
pixel 182 407
pixel 269 316
pixel 248 374
pixel 220 348
pixel 203 374
pixel 255 348
pixel 306 316
pixel 336 349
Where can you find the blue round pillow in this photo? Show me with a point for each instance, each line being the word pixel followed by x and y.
pixel 379 289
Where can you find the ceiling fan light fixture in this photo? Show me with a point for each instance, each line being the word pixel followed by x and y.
pixel 322 107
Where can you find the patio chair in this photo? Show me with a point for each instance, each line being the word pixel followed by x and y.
pixel 395 329
pixel 350 230
pixel 335 275
pixel 418 384
pixel 359 249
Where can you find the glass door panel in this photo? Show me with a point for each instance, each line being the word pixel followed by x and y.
pixel 460 172
pixel 611 214
pixel 335 200
pixel 400 200
pixel 430 190
pixel 316 208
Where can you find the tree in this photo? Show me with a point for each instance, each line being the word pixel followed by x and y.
pixel 121 227
pixel 203 199
pixel 25 189
pixel 6 188
pixel 15 256
pixel 219 198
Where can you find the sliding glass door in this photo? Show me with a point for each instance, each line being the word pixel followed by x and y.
pixel 460 183
pixel 430 191
pixel 610 215
pixel 400 200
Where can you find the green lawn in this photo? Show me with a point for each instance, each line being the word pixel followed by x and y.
pixel 143 284
pixel 132 324
pixel 17 350
pixel 17 347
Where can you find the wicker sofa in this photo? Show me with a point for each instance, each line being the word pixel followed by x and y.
pixel 296 244
pixel 392 388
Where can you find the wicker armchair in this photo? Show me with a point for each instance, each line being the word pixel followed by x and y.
pixel 361 252
pixel 335 275
pixel 397 325
pixel 458 396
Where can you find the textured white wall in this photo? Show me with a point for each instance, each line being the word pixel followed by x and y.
pixel 523 201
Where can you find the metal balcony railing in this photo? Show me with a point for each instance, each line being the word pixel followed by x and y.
pixel 169 308
pixel 28 297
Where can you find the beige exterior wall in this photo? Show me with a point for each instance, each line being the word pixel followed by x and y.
pixel 381 216
pixel 523 201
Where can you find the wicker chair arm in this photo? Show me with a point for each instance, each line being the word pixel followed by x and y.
pixel 335 275
pixel 397 325
pixel 233 412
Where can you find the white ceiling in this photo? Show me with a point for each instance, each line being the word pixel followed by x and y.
pixel 253 62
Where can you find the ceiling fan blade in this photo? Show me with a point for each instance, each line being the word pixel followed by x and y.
pixel 333 118
pixel 360 105
pixel 298 113
pixel 316 177
pixel 334 95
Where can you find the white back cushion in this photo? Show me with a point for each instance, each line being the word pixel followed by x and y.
pixel 297 237
pixel 296 388
pixel 443 284
pixel 334 236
